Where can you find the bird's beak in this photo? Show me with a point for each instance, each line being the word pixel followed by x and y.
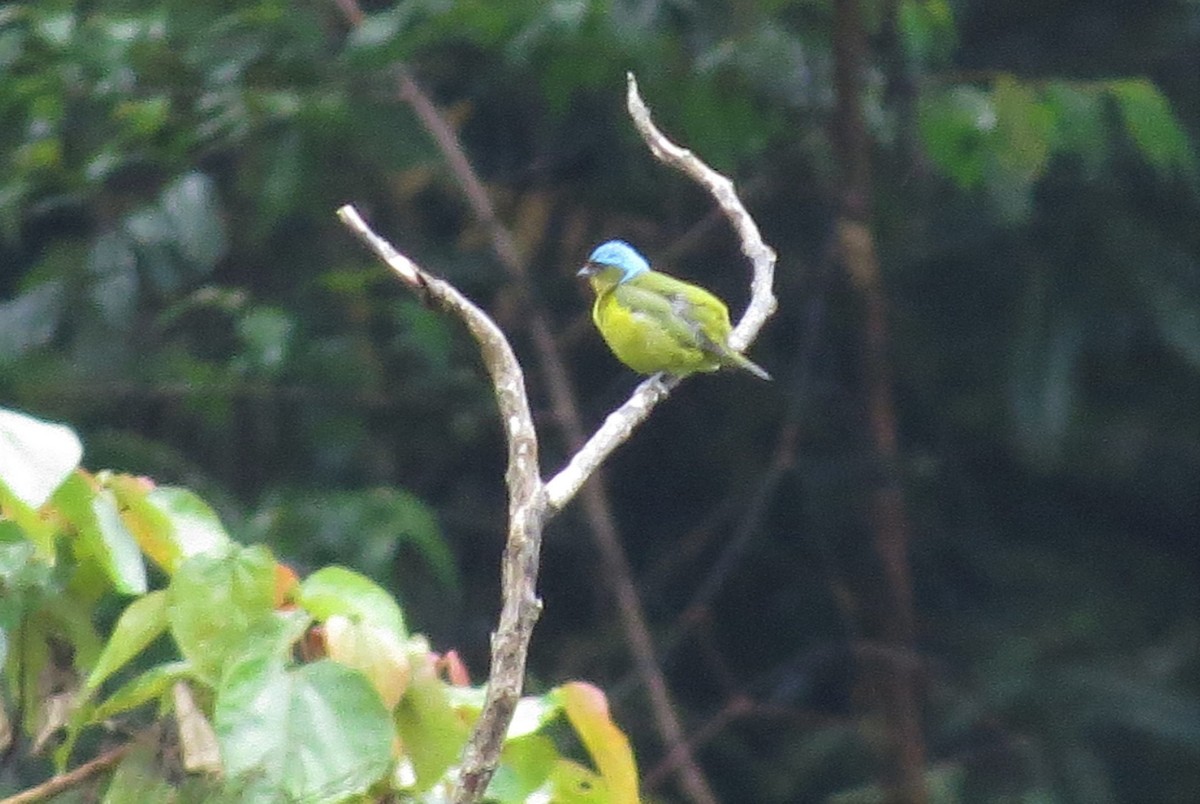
pixel 588 269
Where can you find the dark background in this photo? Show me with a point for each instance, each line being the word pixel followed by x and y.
pixel 177 288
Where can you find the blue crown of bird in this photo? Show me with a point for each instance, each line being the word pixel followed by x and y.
pixel 656 323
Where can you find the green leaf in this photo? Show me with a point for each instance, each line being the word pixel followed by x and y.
pixel 314 733
pixel 148 686
pixel 1024 126
pixel 35 456
pixel 170 524
pixel 430 727
pixel 138 778
pixel 587 710
pixel 22 574
pixel 1153 126
pixel 31 319
pixel 928 30
pixel 267 334
pixel 525 765
pixel 371 525
pixel 374 651
pixel 193 211
pixel 70 620
pixel 1020 148
pixel 337 590
pixel 571 783
pixel 1079 122
pixel 151 232
pixel 29 643
pixel 215 601
pixel 142 622
pixel 957 128
pixel 101 534
pixel 39 532
pixel 113 265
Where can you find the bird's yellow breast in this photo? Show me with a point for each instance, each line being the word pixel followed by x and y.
pixel 642 343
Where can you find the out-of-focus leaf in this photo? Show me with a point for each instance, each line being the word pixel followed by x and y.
pixel 31 319
pixel 315 733
pixel 153 236
pixel 35 456
pixel 587 709
pixel 266 333
pixel 1044 387
pixel 525 765
pixel 170 524
pixel 1079 122
pixel 375 522
pixel 337 590
pixel 1020 148
pixel 425 332
pixel 138 778
pixel 957 127
pixel 192 209
pixel 572 783
pixel 148 686
pixel 143 117
pixel 1153 126
pixel 374 651
pixel 778 63
pixel 943 785
pixel 143 621
pixel 1177 314
pixel 282 180
pixel 431 729
pixel 1147 705
pixel 101 536
pixel 113 265
pixel 376 41
pixel 214 601
pixel 928 30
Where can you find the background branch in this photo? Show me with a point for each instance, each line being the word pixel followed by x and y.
pixel 892 686
pixel 73 778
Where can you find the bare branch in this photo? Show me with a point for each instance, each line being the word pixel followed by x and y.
pixel 65 781
pixel 531 502
pixel 526 512
pixel 761 256
pixel 596 505
pixel 621 422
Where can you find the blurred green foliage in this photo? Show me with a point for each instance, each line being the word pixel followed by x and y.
pixel 175 285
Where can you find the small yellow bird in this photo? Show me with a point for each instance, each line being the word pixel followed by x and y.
pixel 654 322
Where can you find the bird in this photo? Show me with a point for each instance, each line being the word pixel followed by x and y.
pixel 654 322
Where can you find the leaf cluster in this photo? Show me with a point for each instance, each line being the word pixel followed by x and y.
pixel 273 686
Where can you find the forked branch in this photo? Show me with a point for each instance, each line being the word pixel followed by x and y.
pixel 531 502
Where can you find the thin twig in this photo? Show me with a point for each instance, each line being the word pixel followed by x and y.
pixel 621 422
pixel 526 512
pixel 65 781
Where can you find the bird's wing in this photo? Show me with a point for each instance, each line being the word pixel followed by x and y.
pixel 686 321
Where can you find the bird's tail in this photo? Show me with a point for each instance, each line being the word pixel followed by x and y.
pixel 741 361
